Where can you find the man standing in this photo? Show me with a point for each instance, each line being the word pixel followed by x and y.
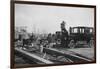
pixel 64 37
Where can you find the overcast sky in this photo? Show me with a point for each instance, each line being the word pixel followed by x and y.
pixel 48 18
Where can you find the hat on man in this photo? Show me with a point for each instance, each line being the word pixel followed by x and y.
pixel 63 23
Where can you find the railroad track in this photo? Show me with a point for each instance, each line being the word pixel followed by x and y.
pixel 32 57
pixel 74 57
pixel 54 56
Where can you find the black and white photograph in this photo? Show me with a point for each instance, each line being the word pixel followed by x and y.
pixel 50 34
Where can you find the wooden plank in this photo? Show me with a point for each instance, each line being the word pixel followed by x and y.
pixel 33 57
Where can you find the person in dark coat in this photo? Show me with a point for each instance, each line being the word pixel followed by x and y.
pixel 64 37
pixel 49 37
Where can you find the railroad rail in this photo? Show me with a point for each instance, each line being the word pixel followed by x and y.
pixel 33 57
pixel 71 55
